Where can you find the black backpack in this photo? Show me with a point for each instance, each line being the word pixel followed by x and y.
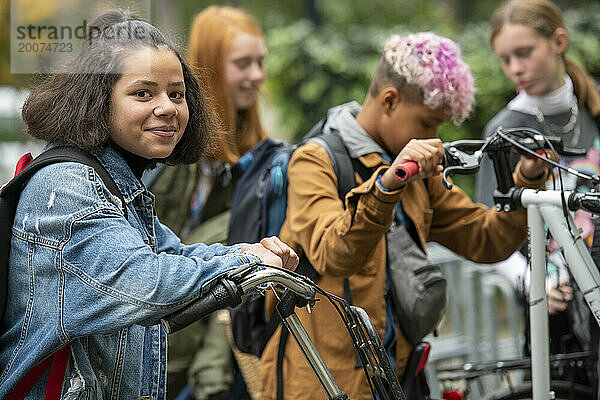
pixel 258 210
pixel 11 192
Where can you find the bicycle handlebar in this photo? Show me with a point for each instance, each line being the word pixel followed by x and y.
pixel 224 294
pixel 526 141
pixel 457 159
pixel 296 284
pixel 233 285
pixel 471 370
pixel 230 289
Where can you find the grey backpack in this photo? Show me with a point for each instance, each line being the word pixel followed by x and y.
pixel 418 287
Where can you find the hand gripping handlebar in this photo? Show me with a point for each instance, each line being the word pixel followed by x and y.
pixel 406 170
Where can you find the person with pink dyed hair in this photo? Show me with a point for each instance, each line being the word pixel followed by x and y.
pixel 420 83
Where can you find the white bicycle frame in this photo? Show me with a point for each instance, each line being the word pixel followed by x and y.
pixel 545 207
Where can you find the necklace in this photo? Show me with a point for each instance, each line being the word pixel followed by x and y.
pixel 571 125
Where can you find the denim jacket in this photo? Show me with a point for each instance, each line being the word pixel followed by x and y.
pixel 81 272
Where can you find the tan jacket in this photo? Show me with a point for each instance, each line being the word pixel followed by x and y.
pixel 350 242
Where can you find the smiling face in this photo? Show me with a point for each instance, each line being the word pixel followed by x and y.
pixel 148 111
pixel 531 61
pixel 244 69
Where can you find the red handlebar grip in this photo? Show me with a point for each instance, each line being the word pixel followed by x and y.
pixel 540 152
pixel 406 170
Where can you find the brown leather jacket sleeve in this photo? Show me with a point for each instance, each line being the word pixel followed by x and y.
pixel 474 231
pixel 337 241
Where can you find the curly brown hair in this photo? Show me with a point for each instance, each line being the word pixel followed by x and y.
pixel 71 105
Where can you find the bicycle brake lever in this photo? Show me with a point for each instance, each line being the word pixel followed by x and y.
pixel 238 273
pixel 445 176
pixel 459 162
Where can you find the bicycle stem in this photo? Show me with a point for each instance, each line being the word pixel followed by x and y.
pixel 290 320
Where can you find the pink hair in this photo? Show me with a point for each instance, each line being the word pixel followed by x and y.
pixel 433 64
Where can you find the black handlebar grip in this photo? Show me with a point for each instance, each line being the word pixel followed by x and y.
pixel 591 205
pixel 585 201
pixel 224 294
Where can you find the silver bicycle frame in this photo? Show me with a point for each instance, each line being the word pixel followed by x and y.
pixel 313 357
pixel 546 207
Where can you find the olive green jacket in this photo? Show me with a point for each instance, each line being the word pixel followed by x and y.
pixel 198 355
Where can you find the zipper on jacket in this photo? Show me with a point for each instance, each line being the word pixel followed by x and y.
pixel 433 281
pixel 425 269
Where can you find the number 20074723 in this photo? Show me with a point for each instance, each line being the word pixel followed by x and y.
pixel 42 47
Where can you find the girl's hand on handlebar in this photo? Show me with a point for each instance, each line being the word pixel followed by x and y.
pixel 427 153
pixel 273 251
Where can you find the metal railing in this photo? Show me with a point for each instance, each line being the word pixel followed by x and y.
pixel 483 320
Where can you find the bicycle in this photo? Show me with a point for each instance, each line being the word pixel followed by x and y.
pixel 472 373
pixel 550 207
pixel 228 289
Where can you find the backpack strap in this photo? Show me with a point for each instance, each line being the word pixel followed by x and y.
pixel 58 362
pixel 10 194
pixel 61 154
pixel 283 338
pixel 60 359
pixel 342 161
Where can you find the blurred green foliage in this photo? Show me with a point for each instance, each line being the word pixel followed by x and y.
pixel 312 68
pixel 12 129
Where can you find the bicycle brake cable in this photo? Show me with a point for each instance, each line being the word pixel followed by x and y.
pixel 546 159
pixel 534 134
